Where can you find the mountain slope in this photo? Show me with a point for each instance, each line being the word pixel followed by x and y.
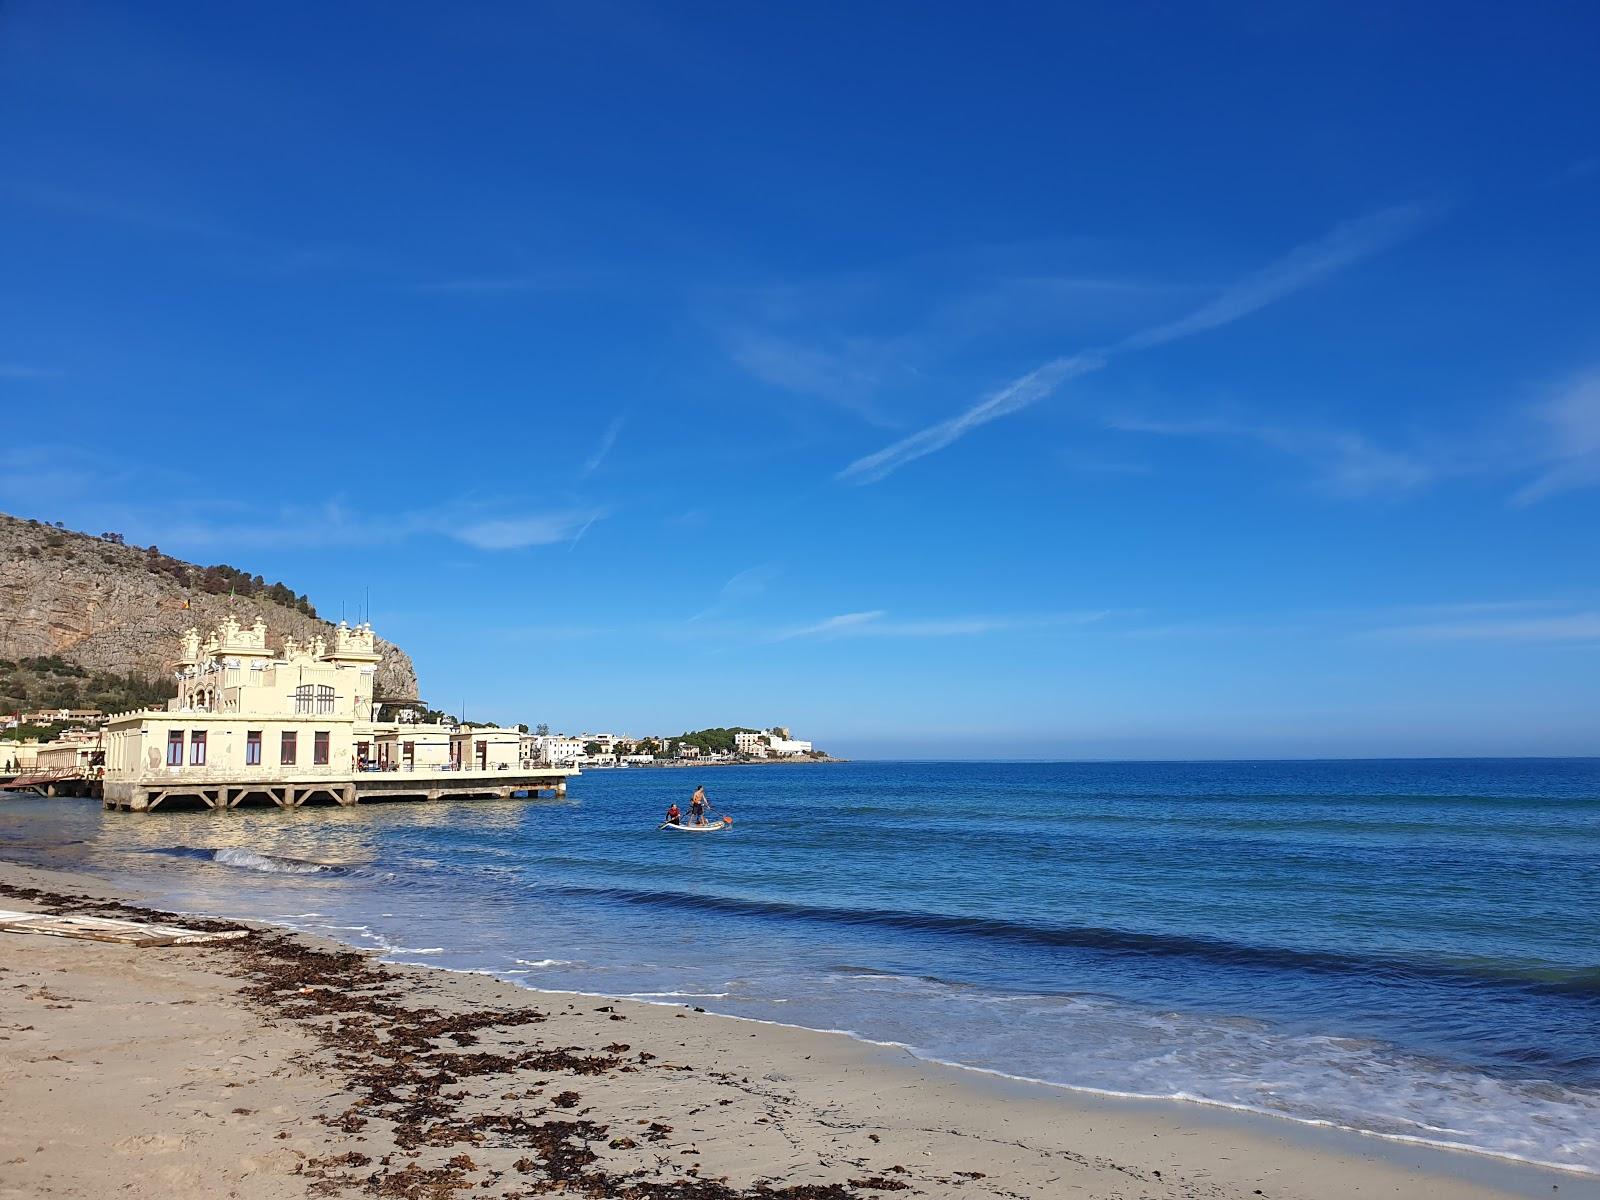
pixel 110 609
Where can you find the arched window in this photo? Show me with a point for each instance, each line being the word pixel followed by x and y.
pixel 324 698
pixel 305 698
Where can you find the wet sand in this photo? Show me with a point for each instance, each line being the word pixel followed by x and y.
pixel 279 1065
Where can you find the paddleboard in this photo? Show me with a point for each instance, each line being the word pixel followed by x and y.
pixel 709 828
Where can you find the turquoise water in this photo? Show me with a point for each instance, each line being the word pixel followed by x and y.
pixel 1407 948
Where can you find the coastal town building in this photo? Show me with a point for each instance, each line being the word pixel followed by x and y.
pixel 555 750
pixel 49 716
pixel 298 724
pixel 751 745
pixel 775 743
pixel 74 752
pixel 66 756
pixel 19 756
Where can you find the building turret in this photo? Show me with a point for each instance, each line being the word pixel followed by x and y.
pixel 353 645
pixel 235 641
pixel 189 648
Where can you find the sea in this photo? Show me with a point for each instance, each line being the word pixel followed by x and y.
pixel 1404 948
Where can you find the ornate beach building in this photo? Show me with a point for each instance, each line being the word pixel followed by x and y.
pixel 299 724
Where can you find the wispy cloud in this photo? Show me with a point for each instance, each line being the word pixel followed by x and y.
pixel 832 627
pixel 608 439
pixel 482 285
pixel 1471 608
pixel 1348 464
pixel 1561 627
pixel 1017 394
pixel 1301 268
pixel 848 376
pixel 119 210
pixel 582 529
pixel 739 589
pixel 876 624
pixel 11 370
pixel 1181 630
pixel 1342 246
pixel 520 532
pixel 1571 422
pixel 910 322
pixel 336 524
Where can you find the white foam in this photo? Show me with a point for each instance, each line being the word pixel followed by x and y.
pixel 1319 1081
pixel 1179 1097
pixel 251 860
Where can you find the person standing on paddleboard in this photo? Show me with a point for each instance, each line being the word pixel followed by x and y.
pixel 698 804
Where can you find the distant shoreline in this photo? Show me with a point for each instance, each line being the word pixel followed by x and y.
pixel 678 763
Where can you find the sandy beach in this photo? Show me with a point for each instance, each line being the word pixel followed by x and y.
pixel 277 1065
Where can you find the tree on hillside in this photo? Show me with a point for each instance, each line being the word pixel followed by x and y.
pixel 713 741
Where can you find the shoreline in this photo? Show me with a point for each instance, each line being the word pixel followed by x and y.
pixel 675 764
pixel 792 1107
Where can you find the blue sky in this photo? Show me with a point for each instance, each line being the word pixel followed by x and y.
pixel 941 381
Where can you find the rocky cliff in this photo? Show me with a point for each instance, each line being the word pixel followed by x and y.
pixel 118 609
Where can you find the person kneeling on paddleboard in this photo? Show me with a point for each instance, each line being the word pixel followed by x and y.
pixel 673 815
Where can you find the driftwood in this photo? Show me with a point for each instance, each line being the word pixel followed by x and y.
pixel 106 929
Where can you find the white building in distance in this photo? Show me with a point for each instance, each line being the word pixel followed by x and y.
pixel 774 744
pixel 553 749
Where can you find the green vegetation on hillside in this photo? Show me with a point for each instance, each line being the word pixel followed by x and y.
pixel 712 741
pixel 221 578
pixel 49 681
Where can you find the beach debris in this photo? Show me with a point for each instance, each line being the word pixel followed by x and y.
pixel 107 929
pixel 398 1058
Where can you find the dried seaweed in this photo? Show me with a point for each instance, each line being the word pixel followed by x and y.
pixel 388 1053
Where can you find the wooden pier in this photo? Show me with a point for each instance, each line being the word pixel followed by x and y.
pixel 61 781
pixel 344 790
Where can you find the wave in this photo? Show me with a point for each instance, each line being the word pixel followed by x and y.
pixel 1553 1136
pixel 254 860
pixel 272 864
pixel 249 860
pixel 1582 983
